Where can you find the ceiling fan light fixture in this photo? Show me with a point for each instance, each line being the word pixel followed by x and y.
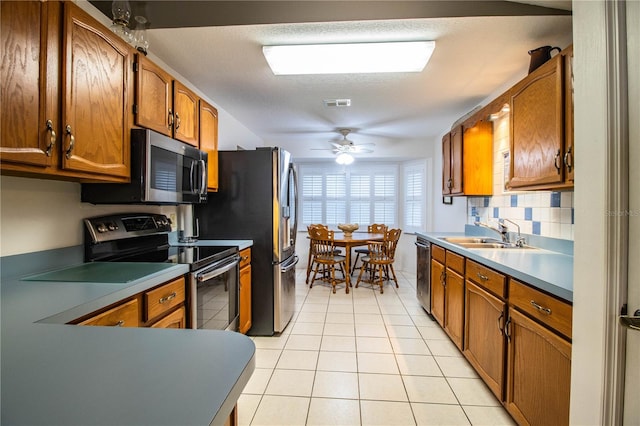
pixel 344 159
pixel 349 58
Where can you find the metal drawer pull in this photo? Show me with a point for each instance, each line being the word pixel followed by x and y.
pixel 542 309
pixel 245 258
pixel 483 277
pixel 168 298
pixel 119 324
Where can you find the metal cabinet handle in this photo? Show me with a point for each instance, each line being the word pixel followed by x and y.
pixel 556 162
pixel 170 119
pixel 177 121
pixel 540 308
pixel 167 298
pixel 245 258
pixel 119 324
pixel 443 278
pixel 72 141
pixel 507 329
pixel 450 184
pixel 568 158
pixel 483 277
pixel 52 138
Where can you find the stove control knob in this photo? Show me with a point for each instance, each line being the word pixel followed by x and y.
pixel 112 226
pixel 101 228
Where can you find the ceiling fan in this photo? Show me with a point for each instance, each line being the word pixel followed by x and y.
pixel 347 146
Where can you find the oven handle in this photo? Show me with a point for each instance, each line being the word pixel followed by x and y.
pixel 217 270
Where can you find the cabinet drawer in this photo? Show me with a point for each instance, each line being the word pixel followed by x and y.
pixel 175 319
pixel 124 315
pixel 438 253
pixel 546 309
pixel 455 262
pixel 486 278
pixel 245 257
pixel 161 299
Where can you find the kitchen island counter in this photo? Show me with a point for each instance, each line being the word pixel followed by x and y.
pixel 53 373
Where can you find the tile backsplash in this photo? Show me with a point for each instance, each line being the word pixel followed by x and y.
pixel 544 213
pixel 549 214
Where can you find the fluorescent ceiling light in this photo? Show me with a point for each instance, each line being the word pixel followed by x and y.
pixel 352 58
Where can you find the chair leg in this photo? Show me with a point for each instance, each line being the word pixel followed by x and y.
pixel 381 272
pixel 333 278
pixel 360 275
pixel 393 272
pixel 315 272
pixel 355 262
pixel 309 266
pixel 347 278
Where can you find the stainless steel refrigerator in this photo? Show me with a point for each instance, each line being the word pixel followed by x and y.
pixel 257 200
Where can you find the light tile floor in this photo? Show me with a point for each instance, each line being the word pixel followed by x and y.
pixel 364 359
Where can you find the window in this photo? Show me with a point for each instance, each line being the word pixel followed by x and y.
pixel 333 194
pixel 414 196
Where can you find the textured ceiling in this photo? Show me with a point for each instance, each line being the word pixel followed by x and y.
pixel 475 56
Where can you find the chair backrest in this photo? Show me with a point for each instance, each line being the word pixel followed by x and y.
pixel 321 240
pixel 385 251
pixel 377 228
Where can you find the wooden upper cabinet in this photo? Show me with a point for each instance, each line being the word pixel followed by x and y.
pixel 209 142
pixel 467 153
pixel 95 106
pixel 30 128
pixel 154 97
pixel 537 127
pixel 165 105
pixel 186 112
pixel 569 152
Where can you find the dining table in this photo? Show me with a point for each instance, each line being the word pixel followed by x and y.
pixel 354 240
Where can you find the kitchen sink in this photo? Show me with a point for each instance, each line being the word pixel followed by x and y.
pixel 483 243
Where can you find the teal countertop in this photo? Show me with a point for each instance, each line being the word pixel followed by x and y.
pixel 57 374
pixel 550 271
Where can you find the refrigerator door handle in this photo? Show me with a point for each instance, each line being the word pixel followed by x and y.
pixel 292 264
pixel 294 176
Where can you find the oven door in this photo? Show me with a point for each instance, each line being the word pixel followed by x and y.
pixel 214 295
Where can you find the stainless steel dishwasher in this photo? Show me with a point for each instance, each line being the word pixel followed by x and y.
pixel 423 273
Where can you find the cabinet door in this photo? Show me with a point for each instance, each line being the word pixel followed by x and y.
pixel 245 300
pixel 456 160
pixel 209 141
pixel 569 153
pixel 175 319
pixel 30 70
pixel 447 179
pixel 437 291
pixel 186 108
pixel 454 307
pixel 538 373
pixel 484 341
pixel 537 127
pixel 154 97
pixel 95 108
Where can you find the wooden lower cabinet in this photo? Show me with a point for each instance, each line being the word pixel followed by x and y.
pixel 162 306
pixel 454 307
pixel 176 319
pixel 437 291
pixel 484 341
pixel 538 373
pixel 245 291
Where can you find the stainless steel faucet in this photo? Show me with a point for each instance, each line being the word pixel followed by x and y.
pixel 502 230
pixel 520 241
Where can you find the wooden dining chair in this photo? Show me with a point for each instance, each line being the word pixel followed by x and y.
pixel 324 256
pixel 374 228
pixel 311 259
pixel 379 261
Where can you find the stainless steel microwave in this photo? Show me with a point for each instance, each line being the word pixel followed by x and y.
pixel 163 171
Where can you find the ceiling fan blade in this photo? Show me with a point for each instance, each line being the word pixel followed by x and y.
pixel 363 151
pixel 366 144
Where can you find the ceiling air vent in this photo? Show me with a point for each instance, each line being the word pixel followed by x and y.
pixel 337 102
